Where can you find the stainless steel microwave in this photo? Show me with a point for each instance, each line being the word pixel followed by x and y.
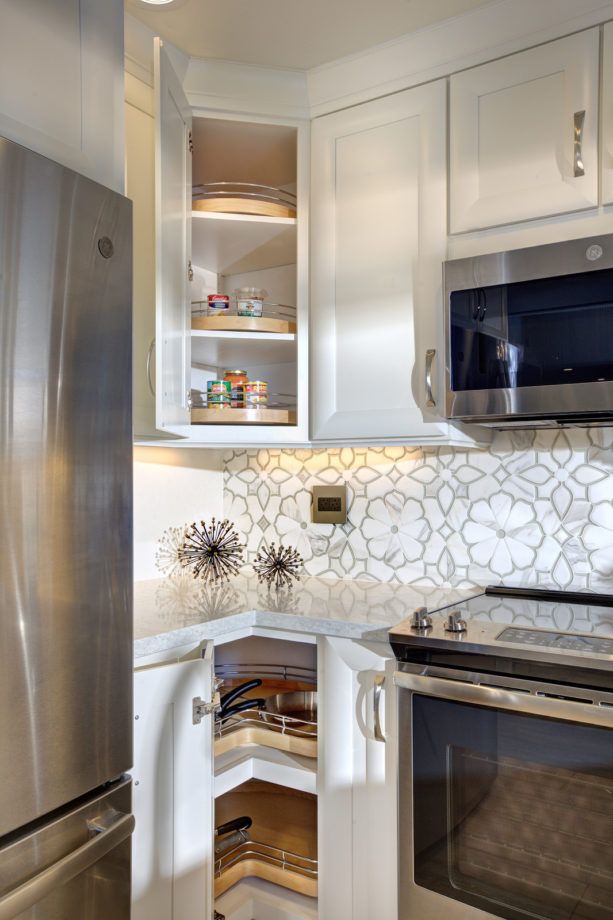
pixel 529 336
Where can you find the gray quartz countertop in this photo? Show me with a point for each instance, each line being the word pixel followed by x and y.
pixel 177 610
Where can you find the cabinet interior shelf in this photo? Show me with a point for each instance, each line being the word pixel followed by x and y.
pixel 202 416
pixel 232 244
pixel 242 349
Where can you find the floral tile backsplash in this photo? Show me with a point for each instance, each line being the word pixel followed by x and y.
pixel 535 508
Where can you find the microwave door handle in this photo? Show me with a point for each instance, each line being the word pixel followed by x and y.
pixel 430 355
pixel 578 126
pixel 550 707
pixel 106 838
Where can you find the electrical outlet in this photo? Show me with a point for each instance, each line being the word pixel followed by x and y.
pixel 329 504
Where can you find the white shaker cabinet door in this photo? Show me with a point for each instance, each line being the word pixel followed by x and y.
pixel 173 207
pixel 377 246
pixel 172 850
pixel 524 135
pixel 607 115
pixel 61 83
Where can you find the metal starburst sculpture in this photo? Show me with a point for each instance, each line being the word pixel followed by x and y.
pixel 279 566
pixel 212 551
pixel 167 559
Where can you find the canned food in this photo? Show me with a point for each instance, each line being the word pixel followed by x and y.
pixel 218 405
pixel 238 397
pixel 255 400
pixel 250 301
pixel 256 386
pixel 223 387
pixel 218 303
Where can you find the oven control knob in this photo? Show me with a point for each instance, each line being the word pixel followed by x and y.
pixel 455 623
pixel 421 620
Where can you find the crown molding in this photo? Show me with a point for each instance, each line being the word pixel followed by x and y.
pixel 491 31
pixel 226 86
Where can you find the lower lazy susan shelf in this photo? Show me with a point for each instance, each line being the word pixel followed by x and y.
pixel 287 821
pixel 202 416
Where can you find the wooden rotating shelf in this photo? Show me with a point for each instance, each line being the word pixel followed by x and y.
pixel 201 416
pixel 243 324
pixel 255 734
pixel 240 205
pixel 283 819
pixel 245 728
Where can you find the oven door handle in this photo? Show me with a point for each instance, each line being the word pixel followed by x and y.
pixel 545 705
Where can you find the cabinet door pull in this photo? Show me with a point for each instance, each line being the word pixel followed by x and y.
pixel 430 353
pixel 149 359
pixel 378 687
pixel 579 123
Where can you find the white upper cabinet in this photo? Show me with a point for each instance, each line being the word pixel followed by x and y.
pixel 173 183
pixel 524 135
pixel 607 115
pixel 61 83
pixel 377 246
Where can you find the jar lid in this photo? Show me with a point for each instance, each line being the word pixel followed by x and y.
pixel 236 371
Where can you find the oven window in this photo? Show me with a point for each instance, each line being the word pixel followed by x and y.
pixel 533 333
pixel 513 814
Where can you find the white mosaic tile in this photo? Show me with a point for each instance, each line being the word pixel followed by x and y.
pixel 534 509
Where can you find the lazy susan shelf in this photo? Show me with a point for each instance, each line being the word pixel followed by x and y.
pixel 242 324
pixel 201 416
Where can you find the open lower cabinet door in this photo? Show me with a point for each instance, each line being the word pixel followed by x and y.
pixel 172 854
pixel 173 195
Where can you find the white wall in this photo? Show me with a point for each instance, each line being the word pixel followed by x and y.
pixel 172 487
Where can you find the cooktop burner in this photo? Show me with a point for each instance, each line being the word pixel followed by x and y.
pixel 546 639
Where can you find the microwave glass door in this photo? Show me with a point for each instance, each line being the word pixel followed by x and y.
pixel 513 814
pixel 543 332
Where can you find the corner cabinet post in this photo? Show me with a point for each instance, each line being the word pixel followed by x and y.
pixel 379 235
pixel 357 782
pixel 173 195
pixel 172 853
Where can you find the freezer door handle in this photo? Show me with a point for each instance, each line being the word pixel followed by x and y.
pixel 64 870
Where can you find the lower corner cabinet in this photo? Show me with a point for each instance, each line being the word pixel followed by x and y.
pixel 229 818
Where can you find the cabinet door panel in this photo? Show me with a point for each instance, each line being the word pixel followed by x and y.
pixel 61 83
pixel 173 181
pixel 513 127
pixel 378 241
pixel 607 115
pixel 172 858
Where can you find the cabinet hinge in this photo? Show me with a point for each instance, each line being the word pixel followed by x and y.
pixel 218 916
pixel 200 709
pixel 190 271
pixel 190 142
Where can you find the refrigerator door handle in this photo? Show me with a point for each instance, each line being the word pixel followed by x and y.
pixel 64 870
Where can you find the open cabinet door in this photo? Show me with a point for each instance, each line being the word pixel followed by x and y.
pixel 172 852
pixel 173 194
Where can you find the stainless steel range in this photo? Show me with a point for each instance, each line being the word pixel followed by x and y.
pixel 506 758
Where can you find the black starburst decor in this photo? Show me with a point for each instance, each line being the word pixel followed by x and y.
pixel 279 566
pixel 212 552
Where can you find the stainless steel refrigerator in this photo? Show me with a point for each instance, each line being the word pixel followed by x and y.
pixel 65 543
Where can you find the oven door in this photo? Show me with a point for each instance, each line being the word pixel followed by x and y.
pixel 506 801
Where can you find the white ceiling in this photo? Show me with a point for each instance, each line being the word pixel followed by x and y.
pixel 297 34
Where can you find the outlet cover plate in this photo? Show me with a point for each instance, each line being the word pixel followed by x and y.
pixel 330 504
